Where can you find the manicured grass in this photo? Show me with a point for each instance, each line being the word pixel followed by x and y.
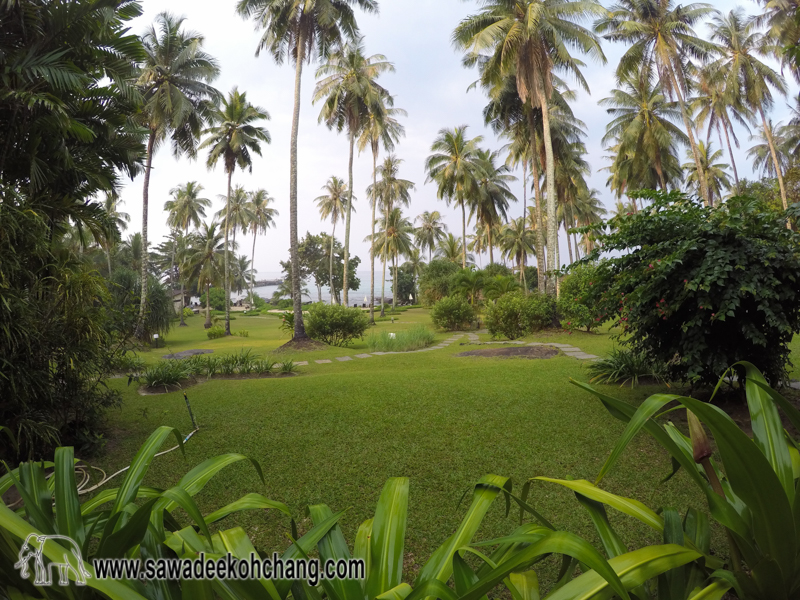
pixel 335 433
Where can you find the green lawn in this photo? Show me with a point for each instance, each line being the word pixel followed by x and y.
pixel 337 431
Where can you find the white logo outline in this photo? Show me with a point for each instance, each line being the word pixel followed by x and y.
pixel 42 572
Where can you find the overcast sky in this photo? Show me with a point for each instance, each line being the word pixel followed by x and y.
pixel 429 83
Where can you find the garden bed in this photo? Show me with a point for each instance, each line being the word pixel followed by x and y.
pixel 530 352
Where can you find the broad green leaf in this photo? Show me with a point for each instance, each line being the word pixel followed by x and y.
pixel 363 539
pixel 715 591
pixel 247 502
pixel 611 541
pixel 106 496
pixel 463 575
pixel 770 581
pixel 440 564
pixel 131 534
pixel 239 545
pixel 10 436
pixel 388 538
pixel 181 498
pixel 37 517
pixel 524 586
pixel 556 542
pixel 767 428
pixel 432 588
pixel 141 463
pixel 333 547
pixel 400 592
pixel 633 569
pixel 68 509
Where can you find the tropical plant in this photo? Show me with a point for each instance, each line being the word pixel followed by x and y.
pixel 623 366
pixel 516 314
pixel 452 313
pixel 301 30
pixel 452 167
pixel 469 283
pixel 236 212
pixel 492 198
pixel 204 259
pixel 336 324
pixel 576 300
pixel 331 206
pixel 232 137
pixel 407 340
pixel 531 39
pixel 262 217
pixel 175 83
pixel 119 221
pixel 394 239
pixel 430 232
pixel 434 282
pixel 701 288
pixel 451 249
pixel 499 285
pixel 516 242
pixel 716 174
pixel 349 92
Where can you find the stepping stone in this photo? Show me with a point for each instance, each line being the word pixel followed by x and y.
pixel 585 356
pixel 536 344
pixel 303 363
pixel 322 362
pixel 344 358
pixel 560 345
pixel 378 353
pixel 363 355
pixel 571 350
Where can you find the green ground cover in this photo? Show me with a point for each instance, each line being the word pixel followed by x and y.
pixel 337 431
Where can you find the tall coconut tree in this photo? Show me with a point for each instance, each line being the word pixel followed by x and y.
pixel 451 249
pixel 752 80
pixel 716 173
pixel 492 198
pixel 394 239
pixel 175 83
pixel 262 217
pixel 430 231
pixel 382 130
pixel 760 153
pixel 236 211
pixel 331 205
pixel 415 264
pixel 662 40
pixel 391 192
pixel 452 167
pixel 119 220
pixel 516 242
pixel 589 210
pixel 348 89
pixel 301 30
pixel 186 208
pixel 233 138
pixel 204 260
pixel 531 39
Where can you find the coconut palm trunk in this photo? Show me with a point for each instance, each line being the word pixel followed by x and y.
pixel 491 249
pixel 372 237
pixel 252 262
pixel 778 173
pixel 333 289
pixel 227 253
pixel 299 328
pixel 569 242
pixel 394 283
pixel 701 176
pixel 151 142
pixel 463 233
pixel 730 153
pixel 550 175
pixel 541 257
pixel 383 279
pixel 345 282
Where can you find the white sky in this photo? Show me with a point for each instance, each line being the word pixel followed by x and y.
pixel 429 83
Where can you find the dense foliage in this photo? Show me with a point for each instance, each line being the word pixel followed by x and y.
pixel 335 324
pixel 702 288
pixel 126 287
pixel 515 315
pixel 434 283
pixel 217 296
pixel 577 307
pixel 452 313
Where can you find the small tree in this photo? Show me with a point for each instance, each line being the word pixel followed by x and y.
pixel 703 288
pixel 577 303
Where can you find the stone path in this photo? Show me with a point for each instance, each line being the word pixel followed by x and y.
pixel 472 338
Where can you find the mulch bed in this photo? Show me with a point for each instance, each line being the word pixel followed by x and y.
pixel 530 352
pixel 305 345
pixel 186 354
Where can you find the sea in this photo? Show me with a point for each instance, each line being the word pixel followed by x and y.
pixel 361 296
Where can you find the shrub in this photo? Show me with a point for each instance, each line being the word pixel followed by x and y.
pixel 416 338
pixel 707 287
pixel 335 324
pixel 452 313
pixel 625 365
pixel 499 285
pixel 165 373
pixel 264 366
pixel 215 332
pixel 287 323
pixel 129 363
pixel 285 303
pixel 187 312
pixel 515 315
pixel 256 301
pixel 577 301
pixel 217 298
pixel 434 282
pixel 287 366
pixel 242 333
pixel 495 269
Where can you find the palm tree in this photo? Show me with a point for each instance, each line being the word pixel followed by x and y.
pixel 716 174
pixel 232 137
pixel 205 256
pixel 301 30
pixel 470 283
pixel 430 231
pixel 186 208
pixel 490 205
pixel 517 242
pixel 394 240
pixel 589 210
pixel 530 39
pixel 119 221
pixel 242 273
pixel 761 152
pixel 175 84
pixel 381 129
pixel 661 37
pixel 350 93
pixel 391 192
pixel 746 76
pixel 331 206
pixel 415 264
pixel 452 167
pixel 451 249
pixel 262 217
pixel 239 209
pixel 643 129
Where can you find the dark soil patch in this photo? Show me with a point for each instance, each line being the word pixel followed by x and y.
pixel 187 383
pixel 304 345
pixel 516 352
pixel 186 354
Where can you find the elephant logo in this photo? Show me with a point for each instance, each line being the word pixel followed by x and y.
pixel 42 572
